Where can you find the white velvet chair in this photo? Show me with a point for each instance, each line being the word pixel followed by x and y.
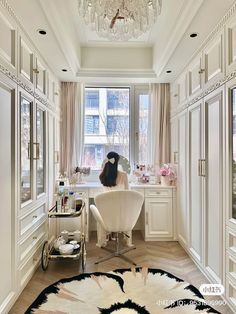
pixel 117 212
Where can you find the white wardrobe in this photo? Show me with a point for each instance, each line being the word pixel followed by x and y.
pixel 203 110
pixel 29 147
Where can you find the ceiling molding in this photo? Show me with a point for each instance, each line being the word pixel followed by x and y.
pixel 217 29
pixel 140 73
pixel 58 30
pixel 188 12
pixel 5 5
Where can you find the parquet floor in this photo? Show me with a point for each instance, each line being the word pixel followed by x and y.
pixel 168 256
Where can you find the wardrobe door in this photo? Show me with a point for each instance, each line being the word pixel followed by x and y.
pixel 195 179
pixel 7 214
pixel 182 213
pixel 214 187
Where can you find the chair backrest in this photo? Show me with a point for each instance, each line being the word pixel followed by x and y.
pixel 119 210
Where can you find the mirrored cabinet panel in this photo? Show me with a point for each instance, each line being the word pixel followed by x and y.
pixel 40 151
pixel 25 150
pixel 233 95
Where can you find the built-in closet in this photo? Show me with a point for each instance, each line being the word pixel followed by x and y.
pixel 203 104
pixel 29 152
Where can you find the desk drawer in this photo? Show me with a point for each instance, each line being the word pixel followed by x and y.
pixel 32 241
pixel 32 219
pixel 158 192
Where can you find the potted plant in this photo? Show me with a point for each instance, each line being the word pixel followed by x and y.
pixel 167 174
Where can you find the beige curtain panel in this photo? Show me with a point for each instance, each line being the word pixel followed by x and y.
pixel 71 127
pixel 160 124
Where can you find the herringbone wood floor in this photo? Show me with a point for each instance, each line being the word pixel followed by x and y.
pixel 168 256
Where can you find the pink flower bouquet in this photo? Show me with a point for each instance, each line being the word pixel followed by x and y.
pixel 167 171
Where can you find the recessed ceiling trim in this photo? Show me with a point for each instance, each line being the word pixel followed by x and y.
pixel 188 13
pixel 55 26
pixel 116 73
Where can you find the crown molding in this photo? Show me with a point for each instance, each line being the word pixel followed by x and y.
pixel 190 9
pixel 139 73
pixel 203 94
pixel 216 30
pixel 26 87
pixel 5 5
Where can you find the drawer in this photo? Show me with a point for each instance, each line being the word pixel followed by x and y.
pixel 32 219
pixel 231 292
pixel 231 242
pixel 30 244
pixel 158 192
pixel 29 267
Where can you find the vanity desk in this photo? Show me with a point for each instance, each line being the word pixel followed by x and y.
pixel 157 218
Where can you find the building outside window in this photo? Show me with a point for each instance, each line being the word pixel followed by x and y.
pixel 109 126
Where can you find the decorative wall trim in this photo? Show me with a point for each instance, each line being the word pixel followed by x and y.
pixel 203 94
pixel 217 29
pixel 26 87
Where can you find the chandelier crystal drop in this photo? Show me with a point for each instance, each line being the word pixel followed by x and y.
pixel 120 19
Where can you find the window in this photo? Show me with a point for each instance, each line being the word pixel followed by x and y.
pixel 118 125
pixel 109 126
pixel 92 99
pixel 143 105
pixel 91 124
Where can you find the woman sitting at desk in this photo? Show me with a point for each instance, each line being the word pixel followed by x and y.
pixel 112 179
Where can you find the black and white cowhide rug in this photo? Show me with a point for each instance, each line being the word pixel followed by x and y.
pixel 122 291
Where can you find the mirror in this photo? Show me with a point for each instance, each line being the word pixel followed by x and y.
pixel 123 164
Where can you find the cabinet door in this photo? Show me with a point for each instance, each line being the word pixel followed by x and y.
pixel 39 151
pixel 7 214
pixel 159 217
pixel 26 60
pixel 194 76
pixel 231 46
pixel 195 181
pixel 7 42
pixel 174 96
pixel 213 57
pixel 183 83
pixel 182 212
pixel 174 141
pixel 51 88
pixel 213 200
pixel 26 138
pixel 40 82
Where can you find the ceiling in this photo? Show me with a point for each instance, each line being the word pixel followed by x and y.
pixel 70 44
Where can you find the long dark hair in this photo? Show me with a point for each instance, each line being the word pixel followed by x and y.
pixel 110 170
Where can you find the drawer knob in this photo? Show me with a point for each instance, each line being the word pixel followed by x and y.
pixel 34 238
pixel 35 216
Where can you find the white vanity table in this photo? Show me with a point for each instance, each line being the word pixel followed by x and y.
pixel 157 218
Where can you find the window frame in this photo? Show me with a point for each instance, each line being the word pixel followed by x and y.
pixel 135 91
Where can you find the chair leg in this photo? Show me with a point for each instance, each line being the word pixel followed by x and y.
pixel 105 258
pixel 117 253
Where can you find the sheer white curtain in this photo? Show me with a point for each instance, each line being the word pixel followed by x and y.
pixel 71 147
pixel 159 138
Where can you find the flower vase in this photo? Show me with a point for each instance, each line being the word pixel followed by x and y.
pixel 165 180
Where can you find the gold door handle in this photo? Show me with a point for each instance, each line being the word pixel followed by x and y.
pixel 201 71
pixel 28 150
pixel 199 167
pixel 175 157
pixel 203 167
pixel 36 71
pixel 146 218
pixel 36 151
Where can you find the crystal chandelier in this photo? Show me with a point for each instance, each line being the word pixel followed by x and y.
pixel 120 19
